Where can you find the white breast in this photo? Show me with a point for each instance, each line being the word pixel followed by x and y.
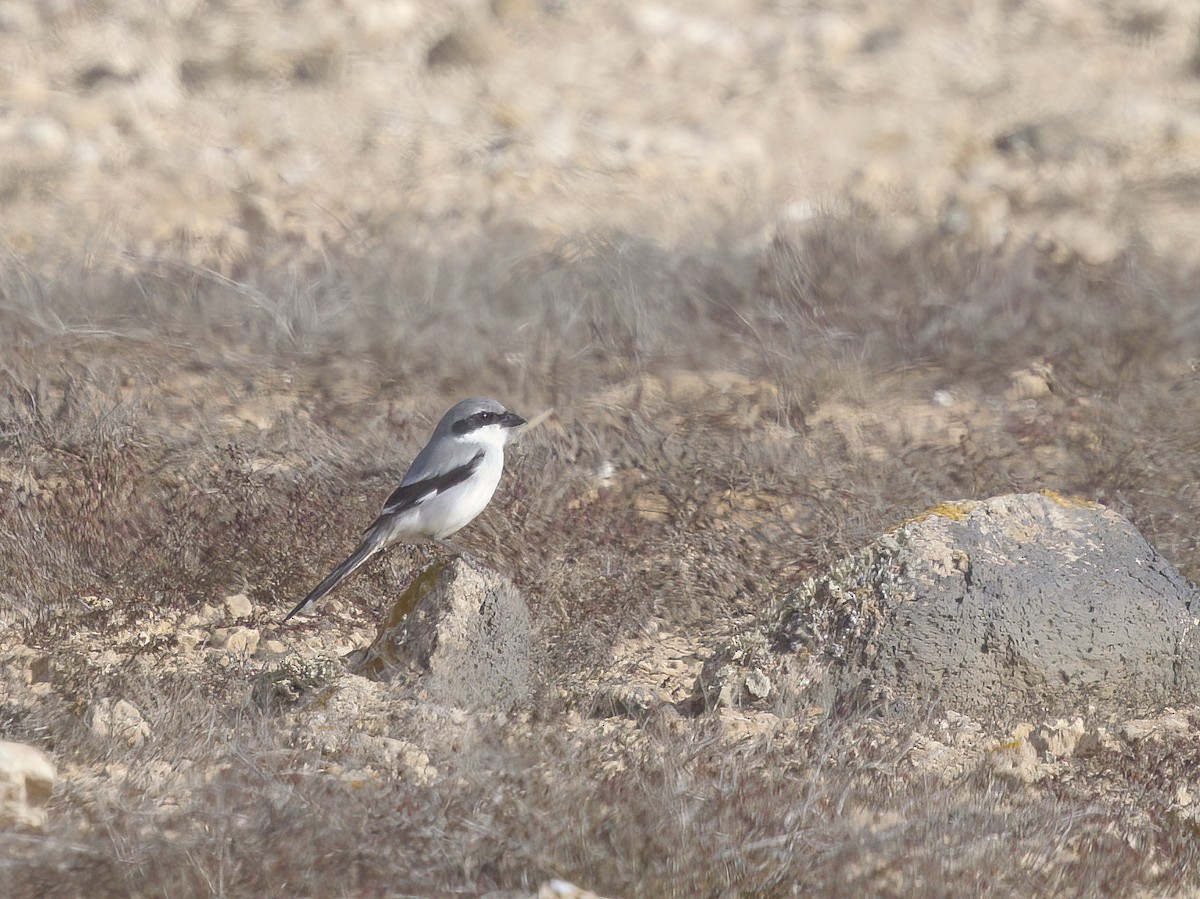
pixel 453 509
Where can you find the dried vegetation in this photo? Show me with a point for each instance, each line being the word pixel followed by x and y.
pixel 209 391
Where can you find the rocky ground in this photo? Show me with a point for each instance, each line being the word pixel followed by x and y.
pixel 783 283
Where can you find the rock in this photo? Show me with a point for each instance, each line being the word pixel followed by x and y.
pixel 1028 602
pixel 1171 724
pixel 734 674
pixel 1059 739
pixel 294 678
pixel 955 747
pixel 119 721
pixel 239 639
pixel 564 889
pixel 758 685
pixel 26 781
pixel 468 638
pixel 238 606
pixel 1016 759
pixel 45 136
pixel 1030 383
pixel 398 758
pixel 187 640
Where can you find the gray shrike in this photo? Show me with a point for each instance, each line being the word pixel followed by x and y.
pixel 449 483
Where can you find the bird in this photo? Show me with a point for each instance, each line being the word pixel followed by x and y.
pixel 448 484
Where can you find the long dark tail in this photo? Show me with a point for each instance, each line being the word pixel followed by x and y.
pixel 371 545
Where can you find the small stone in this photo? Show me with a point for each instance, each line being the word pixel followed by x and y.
pixel 1139 729
pixel 1027 384
pixel 236 639
pixel 119 721
pixel 1015 760
pixel 758 684
pixel 399 758
pixel 564 889
pixel 295 677
pixel 26 781
pixel 189 639
pixel 1060 739
pixel 238 606
pixel 46 136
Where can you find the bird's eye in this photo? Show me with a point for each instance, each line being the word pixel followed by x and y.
pixel 487 417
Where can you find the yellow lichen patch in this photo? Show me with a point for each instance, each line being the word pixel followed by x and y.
pixel 956 510
pixel 1071 502
pixel 379 654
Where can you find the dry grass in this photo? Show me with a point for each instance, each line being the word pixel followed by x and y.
pixel 169 436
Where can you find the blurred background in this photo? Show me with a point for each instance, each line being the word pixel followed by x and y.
pixel 237 136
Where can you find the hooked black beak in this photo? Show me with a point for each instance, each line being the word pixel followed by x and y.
pixel 511 420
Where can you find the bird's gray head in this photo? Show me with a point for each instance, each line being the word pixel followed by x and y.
pixel 479 419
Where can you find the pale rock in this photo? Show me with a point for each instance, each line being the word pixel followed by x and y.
pixel 189 639
pixel 238 606
pixel 236 639
pixel 1059 739
pixel 1169 725
pixel 399 758
pixel 564 889
pixel 757 683
pixel 463 631
pixel 120 721
pixel 1029 383
pixel 26 781
pixel 989 605
pixel 385 21
pixel 356 778
pixel 1016 759
pixel 18 17
pixel 834 36
pixel 45 136
pixel 1094 741
pixel 207 613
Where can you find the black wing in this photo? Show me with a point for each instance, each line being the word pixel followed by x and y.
pixel 406 496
